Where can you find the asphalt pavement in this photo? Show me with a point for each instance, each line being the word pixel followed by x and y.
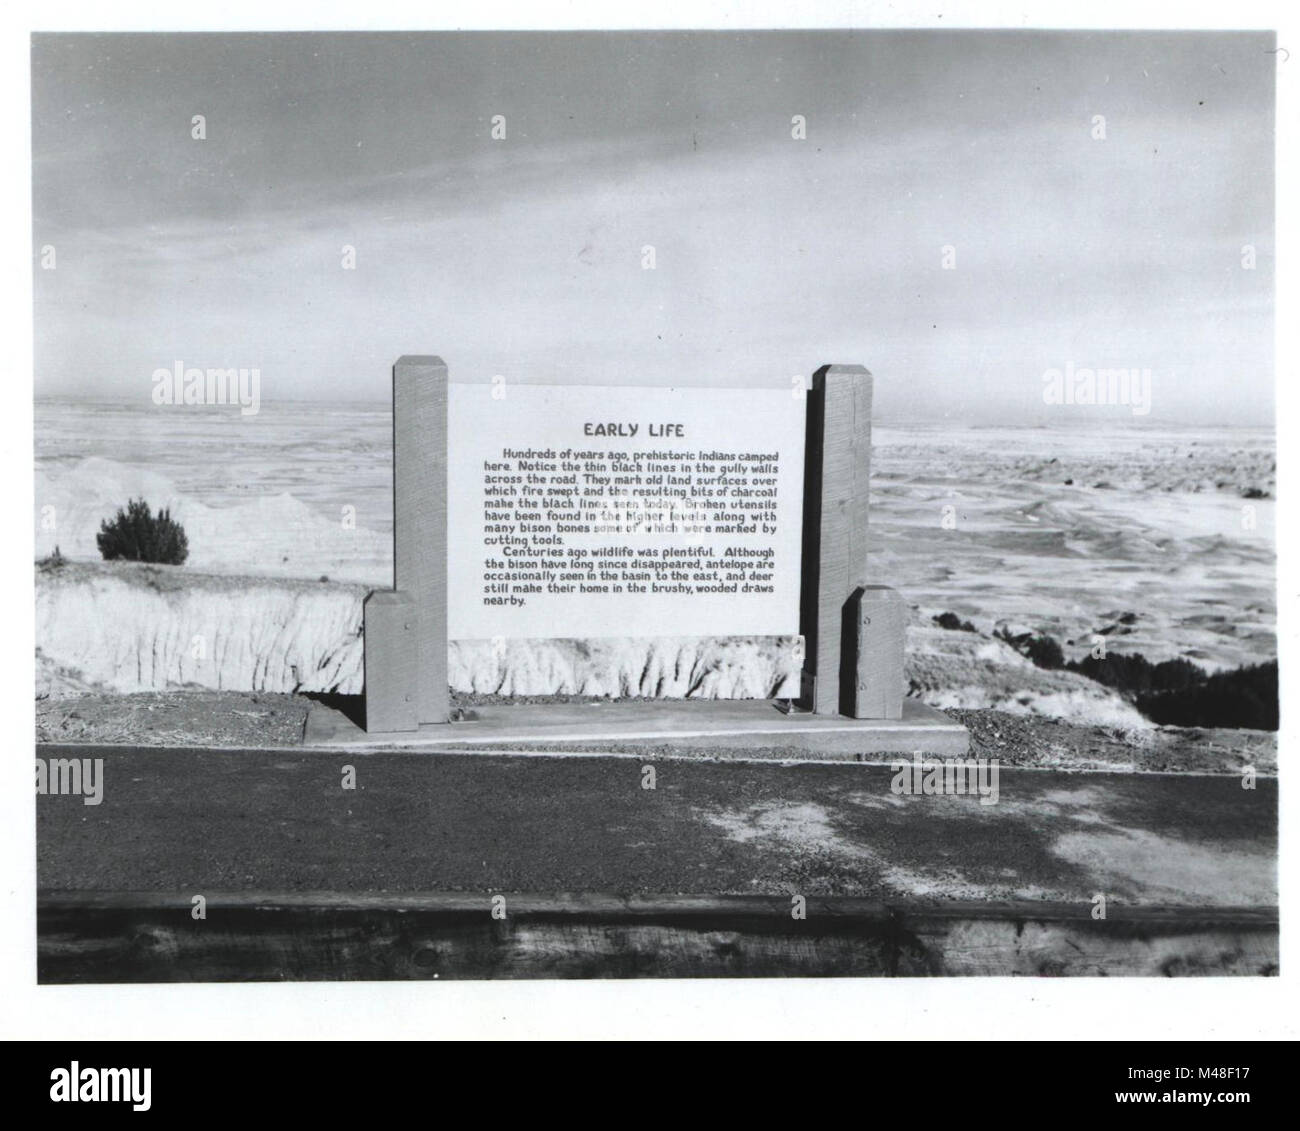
pixel 185 820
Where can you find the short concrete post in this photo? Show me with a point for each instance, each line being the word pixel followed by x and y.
pixel 837 478
pixel 420 519
pixel 879 627
pixel 391 662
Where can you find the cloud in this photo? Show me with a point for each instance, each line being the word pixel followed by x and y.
pixel 770 253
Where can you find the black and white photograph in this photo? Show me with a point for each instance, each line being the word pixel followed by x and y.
pixel 654 504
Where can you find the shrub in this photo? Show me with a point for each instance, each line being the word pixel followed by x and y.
pixel 1044 652
pixel 55 561
pixel 1244 697
pixel 1174 692
pixel 953 622
pixel 1133 672
pixel 136 534
pixel 1041 651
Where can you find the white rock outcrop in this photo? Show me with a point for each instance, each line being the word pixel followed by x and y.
pixel 125 627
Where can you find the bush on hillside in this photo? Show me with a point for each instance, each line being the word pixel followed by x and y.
pixel 1174 692
pixel 1244 697
pixel 953 622
pixel 1042 651
pixel 136 534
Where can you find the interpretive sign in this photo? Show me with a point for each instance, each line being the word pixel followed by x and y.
pixel 596 511
pixel 574 510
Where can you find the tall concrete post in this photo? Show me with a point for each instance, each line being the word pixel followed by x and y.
pixel 837 478
pixel 419 544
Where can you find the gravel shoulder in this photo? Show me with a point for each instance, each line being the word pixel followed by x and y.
pixel 247 720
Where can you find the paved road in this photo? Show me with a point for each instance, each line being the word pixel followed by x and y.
pixel 185 820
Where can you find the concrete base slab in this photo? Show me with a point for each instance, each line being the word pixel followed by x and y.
pixel 746 728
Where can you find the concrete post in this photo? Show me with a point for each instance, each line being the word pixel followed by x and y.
pixel 878 679
pixel 420 520
pixel 837 476
pixel 391 662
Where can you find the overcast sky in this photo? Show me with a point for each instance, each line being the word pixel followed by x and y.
pixel 772 255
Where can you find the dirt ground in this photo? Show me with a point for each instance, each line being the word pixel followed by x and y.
pixel 247 720
pixel 175 718
pixel 1017 740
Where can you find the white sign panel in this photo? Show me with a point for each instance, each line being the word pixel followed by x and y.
pixel 594 511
